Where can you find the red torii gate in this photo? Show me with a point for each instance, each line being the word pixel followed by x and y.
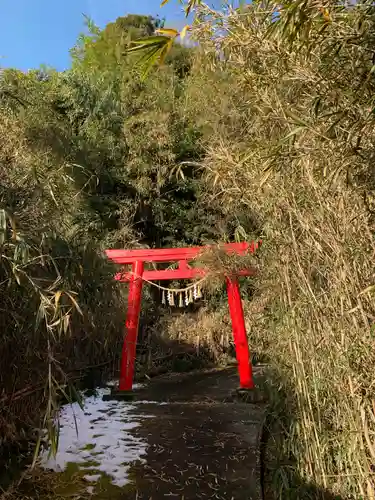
pixel 137 259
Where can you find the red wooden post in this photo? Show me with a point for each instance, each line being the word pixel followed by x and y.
pixel 239 334
pixel 131 327
pixel 183 255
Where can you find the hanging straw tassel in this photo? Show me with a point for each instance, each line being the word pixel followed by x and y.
pixel 163 297
pixel 199 292
pixel 187 298
pixel 181 299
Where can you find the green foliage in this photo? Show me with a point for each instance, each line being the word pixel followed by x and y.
pixel 87 161
pixel 106 50
pixel 52 285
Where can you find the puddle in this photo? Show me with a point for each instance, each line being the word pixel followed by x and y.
pixel 105 445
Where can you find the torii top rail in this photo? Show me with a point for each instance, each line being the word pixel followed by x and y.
pixel 138 273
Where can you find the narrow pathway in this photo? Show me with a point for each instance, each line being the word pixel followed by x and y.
pixel 203 443
pixel 185 437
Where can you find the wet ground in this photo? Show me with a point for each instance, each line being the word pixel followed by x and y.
pixel 185 437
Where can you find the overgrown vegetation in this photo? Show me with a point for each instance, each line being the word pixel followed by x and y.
pixel 265 128
pixel 86 163
pixel 288 114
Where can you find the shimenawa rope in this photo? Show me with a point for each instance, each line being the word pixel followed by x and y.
pixel 192 292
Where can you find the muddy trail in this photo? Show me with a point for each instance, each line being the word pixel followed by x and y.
pixel 184 437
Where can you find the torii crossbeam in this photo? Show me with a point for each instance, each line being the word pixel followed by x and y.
pixel 138 273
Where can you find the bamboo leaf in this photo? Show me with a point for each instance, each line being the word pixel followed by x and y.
pixel 16 274
pixel 144 43
pixel 54 439
pixel 298 121
pixel 165 51
pixel 369 289
pixel 294 132
pixel 75 303
pixel 154 49
pixel 53 195
pixel 149 56
pixel 57 297
pixel 168 32
pixel 3 226
pixel 184 30
pixel 148 61
pixel 77 396
pixel 66 323
pixel 3 219
pixel 56 323
pixel 40 315
pixel 191 5
pixel 36 452
pixel 266 174
pixel 13 225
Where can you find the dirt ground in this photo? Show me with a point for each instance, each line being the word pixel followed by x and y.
pixel 203 444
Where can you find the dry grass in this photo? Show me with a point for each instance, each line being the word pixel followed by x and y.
pixel 270 150
pixel 51 322
pixel 207 331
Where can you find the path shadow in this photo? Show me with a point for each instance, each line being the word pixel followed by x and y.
pixel 302 491
pixel 158 355
pixel 307 491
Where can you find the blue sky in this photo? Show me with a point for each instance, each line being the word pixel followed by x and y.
pixel 35 32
